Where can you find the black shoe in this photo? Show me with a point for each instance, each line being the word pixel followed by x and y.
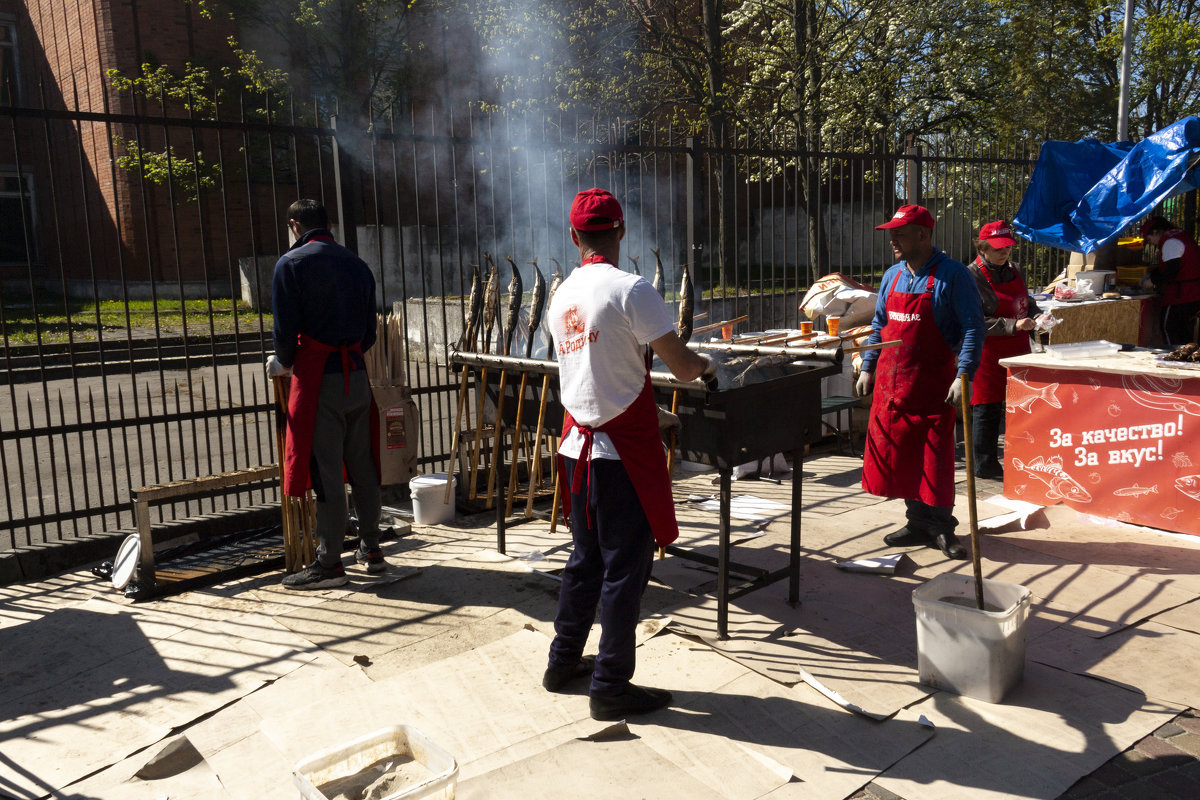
pixel 634 700
pixel 994 471
pixel 948 544
pixel 556 678
pixel 907 537
pixel 316 577
pixel 373 559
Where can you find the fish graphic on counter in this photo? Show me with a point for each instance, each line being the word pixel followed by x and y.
pixel 1189 485
pixel 1136 491
pixel 1062 486
pixel 1022 395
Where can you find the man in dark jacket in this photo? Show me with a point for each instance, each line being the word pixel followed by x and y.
pixel 323 299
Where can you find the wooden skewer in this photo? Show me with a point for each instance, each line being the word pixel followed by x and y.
pixel 516 437
pixel 462 401
pixel 535 465
pixel 718 325
pixel 879 346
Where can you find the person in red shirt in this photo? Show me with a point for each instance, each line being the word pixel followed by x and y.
pixel 1176 279
pixel 1008 313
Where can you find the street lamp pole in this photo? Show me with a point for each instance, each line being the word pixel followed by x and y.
pixel 1126 47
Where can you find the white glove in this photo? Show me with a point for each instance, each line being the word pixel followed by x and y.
pixel 275 368
pixel 954 396
pixel 667 420
pixel 864 384
pixel 709 373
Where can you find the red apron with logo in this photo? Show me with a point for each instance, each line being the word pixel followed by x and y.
pixel 308 372
pixel 910 436
pixel 636 437
pixel 991 378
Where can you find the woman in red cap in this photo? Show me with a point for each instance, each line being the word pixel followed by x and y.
pixel 1008 313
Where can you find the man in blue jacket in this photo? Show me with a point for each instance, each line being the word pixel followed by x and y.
pixel 323 299
pixel 930 304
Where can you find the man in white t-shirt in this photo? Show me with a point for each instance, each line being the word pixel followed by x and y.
pixel 617 492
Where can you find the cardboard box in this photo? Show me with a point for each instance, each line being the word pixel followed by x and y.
pixel 398 433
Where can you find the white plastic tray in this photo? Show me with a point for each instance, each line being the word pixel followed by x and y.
pixel 348 759
pixel 1100 347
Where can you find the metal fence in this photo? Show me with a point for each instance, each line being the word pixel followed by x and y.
pixel 136 278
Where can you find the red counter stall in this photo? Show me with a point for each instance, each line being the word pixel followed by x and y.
pixel 1116 435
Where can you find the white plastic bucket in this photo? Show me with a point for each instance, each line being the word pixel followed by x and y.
pixel 960 648
pixel 428 498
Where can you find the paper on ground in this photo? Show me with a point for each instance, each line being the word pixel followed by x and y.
pixel 747 506
pixel 1020 513
pixel 885 564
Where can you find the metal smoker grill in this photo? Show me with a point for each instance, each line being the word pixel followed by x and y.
pixel 723 429
pixel 748 423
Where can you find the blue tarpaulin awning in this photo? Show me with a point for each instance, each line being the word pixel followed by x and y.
pixel 1085 194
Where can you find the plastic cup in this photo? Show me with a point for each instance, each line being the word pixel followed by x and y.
pixel 806 328
pixel 832 325
pixel 726 331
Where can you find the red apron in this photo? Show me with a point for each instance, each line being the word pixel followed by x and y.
pixel 636 437
pixel 308 371
pixel 991 378
pixel 910 436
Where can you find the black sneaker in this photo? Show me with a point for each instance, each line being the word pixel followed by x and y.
pixel 634 700
pixel 558 677
pixel 907 537
pixel 373 559
pixel 948 544
pixel 316 576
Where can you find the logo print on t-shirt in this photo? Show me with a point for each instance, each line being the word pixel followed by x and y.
pixel 573 320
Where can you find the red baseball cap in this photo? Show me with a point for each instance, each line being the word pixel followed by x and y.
pixel 596 210
pixel 908 215
pixel 998 234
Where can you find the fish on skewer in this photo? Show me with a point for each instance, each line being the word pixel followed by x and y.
pixel 537 303
pixel 685 332
pixel 515 290
pixel 636 271
pixel 470 330
pixel 491 308
pixel 657 282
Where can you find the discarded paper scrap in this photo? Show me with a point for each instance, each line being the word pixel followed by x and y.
pixel 1020 513
pixel 747 506
pixel 883 564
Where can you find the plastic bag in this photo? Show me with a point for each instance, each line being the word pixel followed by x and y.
pixel 837 295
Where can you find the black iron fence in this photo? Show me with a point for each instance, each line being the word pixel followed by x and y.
pixel 135 300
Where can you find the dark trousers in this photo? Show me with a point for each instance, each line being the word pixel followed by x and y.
pixel 933 519
pixel 610 567
pixel 986 419
pixel 1178 323
pixel 342 435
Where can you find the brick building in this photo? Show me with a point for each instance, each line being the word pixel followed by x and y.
pixel 73 217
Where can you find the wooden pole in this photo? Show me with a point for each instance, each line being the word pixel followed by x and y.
pixel 535 465
pixel 976 560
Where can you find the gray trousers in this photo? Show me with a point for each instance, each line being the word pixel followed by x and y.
pixel 342 435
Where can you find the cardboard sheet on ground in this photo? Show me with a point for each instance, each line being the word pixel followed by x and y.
pixel 1167 559
pixel 830 752
pixel 441 597
pixel 574 769
pixel 1050 731
pixel 863 663
pixel 1185 617
pixel 130 671
pixel 1156 659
